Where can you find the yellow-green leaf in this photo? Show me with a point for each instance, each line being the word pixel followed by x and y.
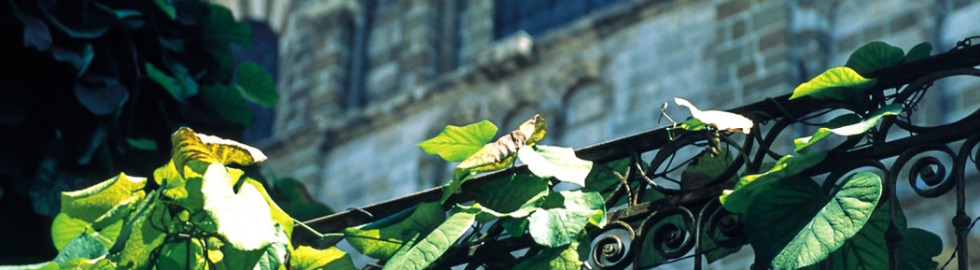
pixel 456 143
pixel 382 238
pixel 738 199
pixel 90 203
pixel 206 149
pixel 840 83
pixel 307 258
pixel 500 153
pixel 430 248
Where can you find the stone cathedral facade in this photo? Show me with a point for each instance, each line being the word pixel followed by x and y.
pixel 363 81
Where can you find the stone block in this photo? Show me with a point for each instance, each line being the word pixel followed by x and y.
pixel 730 7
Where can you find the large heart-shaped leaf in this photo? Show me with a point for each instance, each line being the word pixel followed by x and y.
pixel 917 249
pixel 867 249
pixel 382 238
pixel 846 125
pixel 517 196
pixel 227 102
pixel 244 219
pixel 569 257
pixel 90 203
pixel 780 228
pixel 456 143
pixel 307 258
pixel 874 56
pixel 83 246
pixel 840 83
pixel 430 248
pixel 257 84
pixel 560 225
pixel 738 199
pixel 559 162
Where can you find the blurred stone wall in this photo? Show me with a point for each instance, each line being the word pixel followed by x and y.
pixel 363 81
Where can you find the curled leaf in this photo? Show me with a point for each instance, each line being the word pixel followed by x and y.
pixel 721 120
pixel 190 146
pixel 501 153
pixel 847 125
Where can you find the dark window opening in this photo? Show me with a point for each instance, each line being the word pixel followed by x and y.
pixel 265 52
pixel 536 17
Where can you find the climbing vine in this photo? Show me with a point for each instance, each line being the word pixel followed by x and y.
pixel 201 211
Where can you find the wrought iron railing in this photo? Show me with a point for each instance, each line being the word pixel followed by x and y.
pixel 669 221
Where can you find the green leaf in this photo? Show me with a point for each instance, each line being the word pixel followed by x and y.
pixel 434 244
pixel 569 257
pixel 842 217
pixel 276 254
pixel 184 254
pixel 846 125
pixel 874 56
pixel 501 153
pixel 257 85
pixel 382 238
pixel 917 249
pixel 693 124
pixel 867 249
pixel 705 168
pixel 673 226
pixel 455 143
pixel 307 258
pixel 91 203
pixel 167 6
pixel 278 215
pixel 741 196
pixel 244 219
pixel 514 226
pixel 560 226
pixel 840 83
pixel 559 162
pixel 920 51
pixel 221 29
pixel 713 250
pixel 102 100
pixel 142 234
pixel 145 144
pixel 180 88
pixel 516 196
pixel 228 103
pixel 83 246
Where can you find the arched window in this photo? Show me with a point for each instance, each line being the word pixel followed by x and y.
pixel 535 17
pixel 583 116
pixel 265 52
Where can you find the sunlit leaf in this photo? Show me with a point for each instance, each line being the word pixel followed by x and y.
pixel 781 226
pixel 278 215
pixel 559 162
pixel 430 248
pixel 560 226
pixel 181 86
pixel 839 83
pixel 846 126
pixel 184 254
pixel 500 153
pixel 90 203
pixel 242 219
pixel 382 238
pixel 867 249
pixel 143 234
pixel 920 51
pixel 874 56
pixel 257 85
pixel 517 196
pixel 455 143
pixel 83 246
pixel 738 199
pixel 568 257
pixel 207 149
pixel 721 120
pixel 307 258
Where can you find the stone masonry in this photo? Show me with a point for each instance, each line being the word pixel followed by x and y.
pixel 363 81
